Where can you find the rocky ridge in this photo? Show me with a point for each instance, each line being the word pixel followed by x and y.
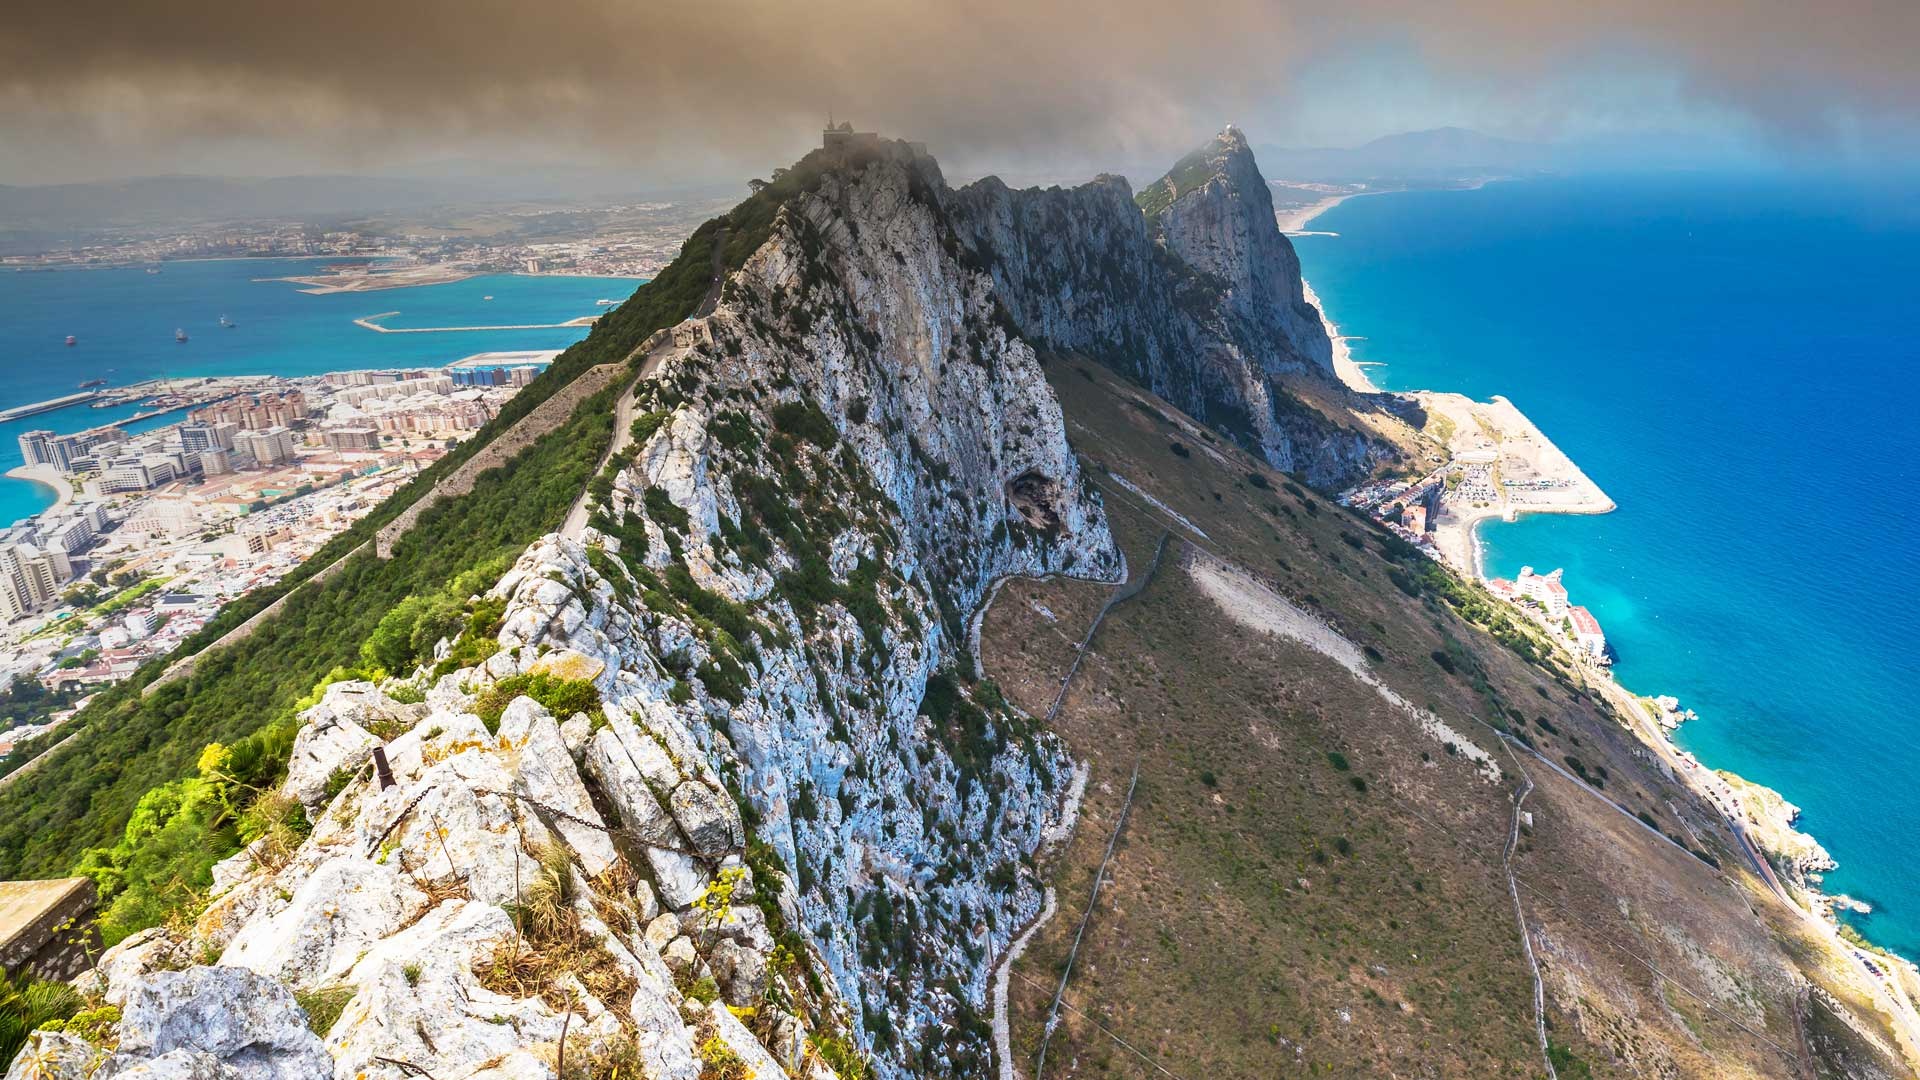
pixel 705 787
pixel 1200 298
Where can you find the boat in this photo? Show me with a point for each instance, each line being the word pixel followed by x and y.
pixel 605 303
pixel 91 383
pixel 72 341
pixel 486 298
pixel 180 336
pixel 228 323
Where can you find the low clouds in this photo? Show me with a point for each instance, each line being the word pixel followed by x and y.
pixel 697 88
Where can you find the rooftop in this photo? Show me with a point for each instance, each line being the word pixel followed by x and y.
pixel 23 903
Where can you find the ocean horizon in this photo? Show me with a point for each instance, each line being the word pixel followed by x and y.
pixel 124 320
pixel 1728 357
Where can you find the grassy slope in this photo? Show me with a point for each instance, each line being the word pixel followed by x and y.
pixel 1225 946
pixel 1187 173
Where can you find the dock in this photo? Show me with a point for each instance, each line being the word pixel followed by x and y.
pixel 21 412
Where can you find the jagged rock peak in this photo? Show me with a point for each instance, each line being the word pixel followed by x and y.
pixel 1215 211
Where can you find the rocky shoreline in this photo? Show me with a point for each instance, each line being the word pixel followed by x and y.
pixel 1757 814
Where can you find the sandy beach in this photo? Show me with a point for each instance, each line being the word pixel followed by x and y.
pixel 1501 466
pixel 1296 219
pixel 1344 365
pixel 1293 222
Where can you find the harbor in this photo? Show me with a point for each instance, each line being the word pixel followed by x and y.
pixel 21 412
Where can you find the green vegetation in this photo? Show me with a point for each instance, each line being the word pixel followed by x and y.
pixel 407 633
pixel 323 1006
pixel 840 1055
pixel 1188 173
pixel 1567 1066
pixel 28 701
pixel 27 1004
pixel 804 420
pixel 153 856
pixel 561 697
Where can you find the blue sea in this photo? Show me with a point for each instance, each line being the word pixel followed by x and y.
pixel 1733 360
pixel 124 320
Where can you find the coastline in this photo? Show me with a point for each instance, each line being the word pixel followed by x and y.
pixel 1294 223
pixel 1761 820
pixel 46 476
pixel 1345 367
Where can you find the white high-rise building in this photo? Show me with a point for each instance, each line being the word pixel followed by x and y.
pixel 30 578
pixel 270 446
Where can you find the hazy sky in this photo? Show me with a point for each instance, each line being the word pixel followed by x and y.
pixel 722 88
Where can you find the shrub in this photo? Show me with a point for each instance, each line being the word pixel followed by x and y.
pixel 663 510
pixel 26 1005
pixel 841 1056
pixel 647 423
pixel 804 420
pixel 719 1062
pixel 561 697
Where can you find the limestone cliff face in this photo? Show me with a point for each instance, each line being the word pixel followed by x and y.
pixel 785 827
pixel 1199 297
pixel 1225 227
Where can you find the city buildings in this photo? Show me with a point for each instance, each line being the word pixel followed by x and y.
pixel 351 438
pixel 254 412
pixel 1543 589
pixel 30 578
pixel 198 436
pixel 1586 633
pixel 68 453
pixel 268 446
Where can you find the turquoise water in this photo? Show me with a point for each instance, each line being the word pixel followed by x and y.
pixel 1733 360
pixel 125 319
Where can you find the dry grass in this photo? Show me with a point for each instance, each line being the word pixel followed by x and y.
pixel 552 943
pixel 1271 913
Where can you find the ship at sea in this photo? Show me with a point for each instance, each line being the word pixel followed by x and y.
pixel 180 336
pixel 91 383
pixel 72 341
pixel 228 323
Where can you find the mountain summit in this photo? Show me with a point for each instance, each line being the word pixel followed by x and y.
pixel 1217 216
pixel 1189 287
pixel 770 692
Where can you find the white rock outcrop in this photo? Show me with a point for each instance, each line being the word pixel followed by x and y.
pixel 787 799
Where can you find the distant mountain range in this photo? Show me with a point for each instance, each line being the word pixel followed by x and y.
pixel 1453 153
pixel 177 200
pixel 1442 153
pixel 209 198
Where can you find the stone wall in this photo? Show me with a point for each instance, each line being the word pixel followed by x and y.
pixel 545 417
pixel 45 931
pixel 184 666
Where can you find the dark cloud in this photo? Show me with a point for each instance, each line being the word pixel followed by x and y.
pixel 725 83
